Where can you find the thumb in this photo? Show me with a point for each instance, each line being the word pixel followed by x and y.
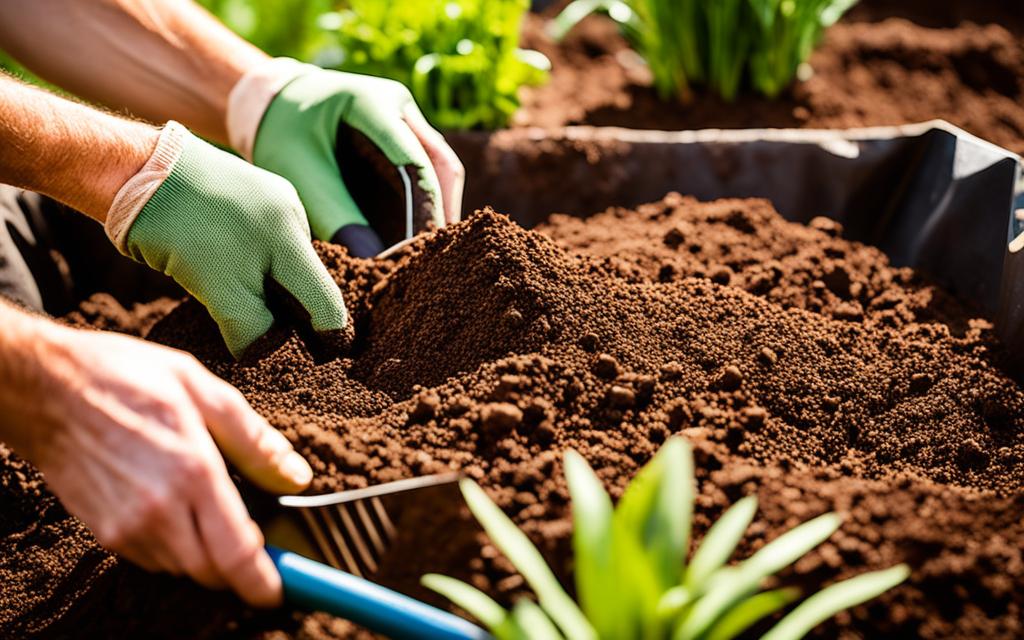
pixel 298 269
pixel 259 451
pixel 240 313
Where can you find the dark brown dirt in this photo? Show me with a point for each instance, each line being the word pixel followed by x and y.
pixel 743 244
pixel 887 63
pixel 103 311
pixel 490 349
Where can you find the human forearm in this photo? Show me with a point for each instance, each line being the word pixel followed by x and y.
pixel 159 59
pixel 24 340
pixel 127 434
pixel 68 151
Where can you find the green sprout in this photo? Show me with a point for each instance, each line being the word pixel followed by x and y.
pixel 632 579
pixel 716 43
pixel 460 58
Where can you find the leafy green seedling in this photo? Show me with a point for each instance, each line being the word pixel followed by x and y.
pixel 716 43
pixel 632 578
pixel 460 58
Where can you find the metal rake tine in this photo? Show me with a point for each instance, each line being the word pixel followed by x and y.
pixel 349 526
pixel 370 527
pixel 339 540
pixel 355 541
pixel 385 520
pixel 320 538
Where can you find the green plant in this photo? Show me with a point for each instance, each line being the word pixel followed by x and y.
pixel 631 576
pixel 716 43
pixel 459 58
pixel 279 27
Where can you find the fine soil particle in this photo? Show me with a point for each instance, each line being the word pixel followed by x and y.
pixel 900 422
pixel 103 311
pixel 959 61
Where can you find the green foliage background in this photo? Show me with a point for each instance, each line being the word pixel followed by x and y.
pixel 460 58
pixel 724 45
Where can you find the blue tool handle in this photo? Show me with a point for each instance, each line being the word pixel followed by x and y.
pixel 313 585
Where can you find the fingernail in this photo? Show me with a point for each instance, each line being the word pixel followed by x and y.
pixel 297 469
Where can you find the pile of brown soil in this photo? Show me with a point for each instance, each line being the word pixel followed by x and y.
pixel 887 63
pixel 103 311
pixel 744 244
pixel 490 349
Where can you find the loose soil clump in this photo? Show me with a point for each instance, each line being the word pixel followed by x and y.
pixel 802 367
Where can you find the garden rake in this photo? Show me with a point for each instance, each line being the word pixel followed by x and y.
pixel 325 546
pixel 350 530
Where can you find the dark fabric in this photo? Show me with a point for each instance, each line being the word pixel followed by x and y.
pixel 361 240
pixel 51 258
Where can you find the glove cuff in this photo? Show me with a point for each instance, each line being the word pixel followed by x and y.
pixel 137 191
pixel 252 94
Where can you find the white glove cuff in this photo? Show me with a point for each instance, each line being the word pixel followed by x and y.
pixel 251 96
pixel 137 191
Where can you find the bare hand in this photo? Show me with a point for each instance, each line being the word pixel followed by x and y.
pixel 127 436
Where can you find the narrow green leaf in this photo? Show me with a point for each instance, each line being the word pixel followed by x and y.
pixel 596 584
pixel 475 602
pixel 748 612
pixel 638 500
pixel 532 619
pixel 650 530
pixel 834 11
pixel 835 598
pixel 790 546
pixel 657 508
pixel 671 603
pixel 668 533
pixel 719 543
pixel 639 588
pixel 576 11
pixel 745 578
pixel 528 560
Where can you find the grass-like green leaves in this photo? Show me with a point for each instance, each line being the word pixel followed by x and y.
pixel 716 43
pixel 831 600
pixel 460 58
pixel 632 578
pixel 514 544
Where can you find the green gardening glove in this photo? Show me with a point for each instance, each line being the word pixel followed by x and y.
pixel 296 137
pixel 220 226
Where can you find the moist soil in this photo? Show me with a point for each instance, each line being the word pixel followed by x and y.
pixel 801 366
pixel 886 63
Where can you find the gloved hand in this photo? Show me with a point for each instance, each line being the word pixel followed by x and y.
pixel 285 117
pixel 220 226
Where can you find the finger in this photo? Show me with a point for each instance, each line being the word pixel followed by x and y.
pixel 142 556
pixel 297 268
pixel 451 175
pixel 402 148
pixel 326 198
pixel 259 451
pixel 190 556
pixel 235 543
pixel 241 314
